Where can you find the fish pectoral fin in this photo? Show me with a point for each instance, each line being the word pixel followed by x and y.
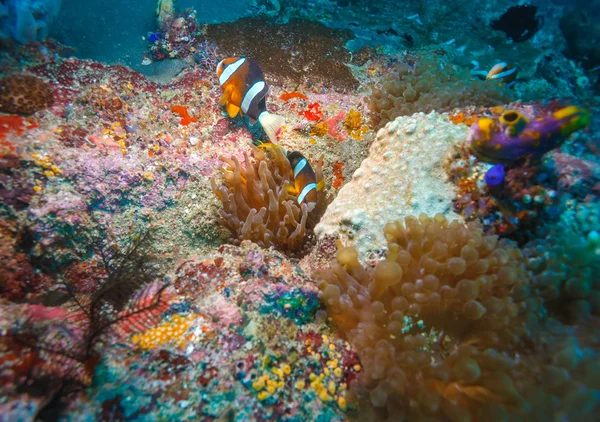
pixel 321 185
pixel 292 190
pixel 226 95
pixel 232 110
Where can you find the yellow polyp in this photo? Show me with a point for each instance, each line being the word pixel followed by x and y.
pixel 357 368
pixel 287 369
pixel 325 338
pixel 327 371
pixel 277 372
pixel 280 385
pixel 148 175
pixel 263 395
pixel 331 387
pixel 271 390
pixel 37 189
pixel 332 346
pixel 486 126
pixel 324 396
pixel 312 377
pixel 123 151
pixel 164 333
pixel 342 403
pixel 300 385
pixel 49 173
pixel 337 372
pixel 332 363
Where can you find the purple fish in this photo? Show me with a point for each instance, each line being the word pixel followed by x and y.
pixel 495 175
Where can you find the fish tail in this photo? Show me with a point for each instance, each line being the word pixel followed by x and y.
pixel 271 124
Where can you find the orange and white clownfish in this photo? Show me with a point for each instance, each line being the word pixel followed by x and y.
pixel 503 72
pixel 305 179
pixel 306 186
pixel 244 90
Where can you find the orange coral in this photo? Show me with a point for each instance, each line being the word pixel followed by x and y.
pixel 186 119
pixel 286 96
pixel 319 129
pixel 174 330
pixel 353 120
pixel 337 173
pixel 106 102
pixel 461 117
pixel 24 94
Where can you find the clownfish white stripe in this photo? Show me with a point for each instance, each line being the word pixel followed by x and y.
pixel 299 167
pixel 250 94
pixel 230 70
pixel 306 191
pixel 504 74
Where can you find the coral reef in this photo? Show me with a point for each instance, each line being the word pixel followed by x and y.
pixel 24 94
pixel 429 83
pixel 311 53
pixel 566 265
pixel 178 37
pixel 442 327
pixel 259 204
pixel 402 175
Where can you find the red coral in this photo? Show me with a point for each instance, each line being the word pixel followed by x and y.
pixel 186 119
pixel 15 124
pixel 313 112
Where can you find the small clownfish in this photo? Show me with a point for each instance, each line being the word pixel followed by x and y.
pixel 306 186
pixel 504 72
pixel 244 90
pixel 305 180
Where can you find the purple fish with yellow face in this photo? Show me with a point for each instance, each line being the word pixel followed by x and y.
pixel 513 137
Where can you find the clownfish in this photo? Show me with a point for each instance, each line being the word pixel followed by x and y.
pixel 306 186
pixel 504 72
pixel 244 90
pixel 305 179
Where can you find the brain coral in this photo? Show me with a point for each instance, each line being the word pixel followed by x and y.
pixel 432 320
pixel 24 94
pixel 430 84
pixel 258 204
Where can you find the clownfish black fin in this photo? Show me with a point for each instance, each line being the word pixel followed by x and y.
pixel 271 124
